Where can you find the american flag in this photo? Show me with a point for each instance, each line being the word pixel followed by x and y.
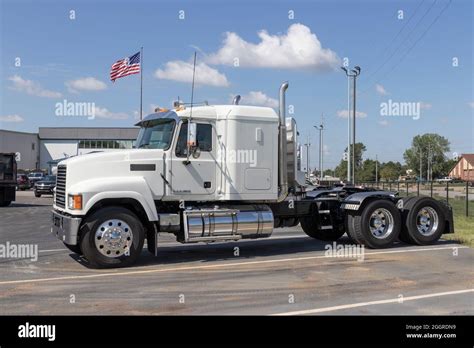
pixel 125 67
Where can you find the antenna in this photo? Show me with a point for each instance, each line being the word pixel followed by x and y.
pixel 191 112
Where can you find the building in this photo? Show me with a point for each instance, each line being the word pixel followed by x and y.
pixel 464 168
pixel 42 150
pixel 26 144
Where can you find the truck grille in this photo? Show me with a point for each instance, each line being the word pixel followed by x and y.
pixel 61 186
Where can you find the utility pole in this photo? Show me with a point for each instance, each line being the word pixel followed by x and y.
pixel 421 165
pixel 308 144
pixel 428 174
pixel 353 73
pixel 376 171
pixel 321 147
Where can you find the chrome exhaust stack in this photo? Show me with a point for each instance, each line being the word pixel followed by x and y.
pixel 236 100
pixel 282 150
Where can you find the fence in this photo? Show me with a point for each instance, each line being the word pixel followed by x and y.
pixel 458 194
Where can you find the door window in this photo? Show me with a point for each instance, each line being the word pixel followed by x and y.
pixel 203 138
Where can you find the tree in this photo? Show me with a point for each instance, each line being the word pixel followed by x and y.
pixel 425 147
pixel 390 171
pixel 367 171
pixel 341 169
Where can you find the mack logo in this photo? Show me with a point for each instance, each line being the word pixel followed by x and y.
pixel 37 331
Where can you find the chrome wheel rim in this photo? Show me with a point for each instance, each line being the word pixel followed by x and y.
pixel 113 238
pixel 381 223
pixel 427 221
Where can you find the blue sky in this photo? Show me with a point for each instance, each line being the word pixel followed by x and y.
pixel 58 53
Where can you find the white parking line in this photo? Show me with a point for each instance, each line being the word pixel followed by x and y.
pixel 371 303
pixel 221 265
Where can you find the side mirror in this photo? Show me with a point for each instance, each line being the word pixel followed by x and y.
pixel 196 152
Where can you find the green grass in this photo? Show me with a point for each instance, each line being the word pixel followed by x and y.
pixel 463 225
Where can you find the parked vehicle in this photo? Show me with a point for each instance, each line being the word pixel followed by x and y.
pixel 22 182
pixel 35 177
pixel 235 175
pixel 7 178
pixel 445 179
pixel 45 186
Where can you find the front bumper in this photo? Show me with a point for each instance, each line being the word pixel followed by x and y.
pixel 65 228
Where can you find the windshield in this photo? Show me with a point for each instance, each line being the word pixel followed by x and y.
pixel 156 134
pixel 50 178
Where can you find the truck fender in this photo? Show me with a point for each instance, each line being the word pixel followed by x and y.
pixel 357 200
pixel 95 190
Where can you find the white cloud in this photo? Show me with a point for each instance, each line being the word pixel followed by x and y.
pixel 258 98
pixel 11 118
pixel 380 89
pixel 31 87
pixel 181 71
pixel 383 123
pixel 85 84
pixel 105 113
pixel 471 104
pixel 298 48
pixel 425 105
pixel 343 114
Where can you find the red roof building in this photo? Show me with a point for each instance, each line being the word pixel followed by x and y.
pixel 464 168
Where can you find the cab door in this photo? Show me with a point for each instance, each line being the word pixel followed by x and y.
pixel 196 178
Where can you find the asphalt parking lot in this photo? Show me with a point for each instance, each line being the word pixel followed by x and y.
pixel 285 274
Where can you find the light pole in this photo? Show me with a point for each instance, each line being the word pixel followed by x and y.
pixel 353 73
pixel 308 144
pixel 320 128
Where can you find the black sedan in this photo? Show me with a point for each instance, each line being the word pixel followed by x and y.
pixel 45 186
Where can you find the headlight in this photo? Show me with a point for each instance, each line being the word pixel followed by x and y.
pixel 74 202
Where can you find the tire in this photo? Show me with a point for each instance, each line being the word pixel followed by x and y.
pixel 424 221
pixel 5 203
pixel 310 227
pixel 76 249
pixel 97 225
pixel 370 226
pixel 37 194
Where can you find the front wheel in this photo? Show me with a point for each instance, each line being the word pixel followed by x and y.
pixel 37 194
pixel 112 237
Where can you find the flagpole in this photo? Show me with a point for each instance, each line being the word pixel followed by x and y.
pixel 141 83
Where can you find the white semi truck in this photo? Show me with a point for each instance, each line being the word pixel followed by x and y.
pixel 234 174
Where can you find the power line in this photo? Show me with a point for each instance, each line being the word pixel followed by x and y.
pixel 397 34
pixel 393 53
pixel 416 42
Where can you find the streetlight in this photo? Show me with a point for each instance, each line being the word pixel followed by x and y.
pixel 320 128
pixel 308 145
pixel 353 73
